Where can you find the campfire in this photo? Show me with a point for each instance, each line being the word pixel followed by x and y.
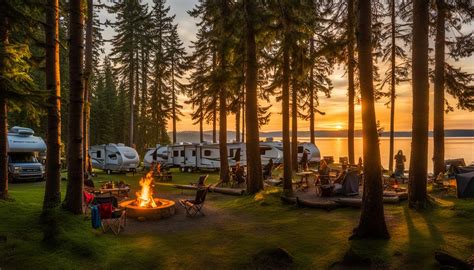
pixel 145 207
pixel 145 195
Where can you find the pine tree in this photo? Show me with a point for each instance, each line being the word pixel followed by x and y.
pixel 372 219
pixel 177 57
pixel 73 200
pixel 417 196
pixel 52 193
pixel 450 15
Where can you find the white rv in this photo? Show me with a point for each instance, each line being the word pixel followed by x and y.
pixel 23 151
pixel 114 158
pixel 314 155
pixel 162 156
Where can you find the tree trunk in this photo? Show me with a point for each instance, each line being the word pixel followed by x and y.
pixel 350 72
pixel 201 120
pixel 224 163
pixel 52 193
pixel 3 146
pixel 237 123
pixel 417 197
pixel 372 219
pixel 243 114
pixel 294 120
pixel 73 201
pixel 132 105
pixel 392 92
pixel 311 93
pixel 285 106
pixel 87 84
pixel 438 106
pixel 3 111
pixel 254 163
pixel 173 101
pixel 214 120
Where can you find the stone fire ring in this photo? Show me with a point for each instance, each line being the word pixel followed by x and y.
pixel 166 208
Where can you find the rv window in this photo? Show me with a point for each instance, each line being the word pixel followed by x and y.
pixel 113 156
pixel 99 154
pixel 231 154
pixel 193 153
pixel 300 149
pixel 182 153
pixel 175 153
pixel 22 158
pixel 207 153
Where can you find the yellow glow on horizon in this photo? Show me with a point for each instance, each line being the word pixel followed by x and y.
pixel 338 126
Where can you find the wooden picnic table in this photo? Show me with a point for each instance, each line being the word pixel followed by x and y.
pixel 303 184
pixel 120 191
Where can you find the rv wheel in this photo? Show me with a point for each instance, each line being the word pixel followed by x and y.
pixel 108 171
pixel 190 169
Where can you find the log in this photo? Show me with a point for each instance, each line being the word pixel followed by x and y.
pixel 357 202
pixel 288 200
pixel 448 260
pixel 326 205
pixel 401 195
pixel 227 191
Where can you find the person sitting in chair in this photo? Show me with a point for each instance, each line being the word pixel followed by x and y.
pixel 267 169
pixel 323 171
pixel 239 174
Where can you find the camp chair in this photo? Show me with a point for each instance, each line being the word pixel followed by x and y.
pixel 112 217
pixel 201 181
pixel 193 207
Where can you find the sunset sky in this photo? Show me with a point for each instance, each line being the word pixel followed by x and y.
pixel 335 107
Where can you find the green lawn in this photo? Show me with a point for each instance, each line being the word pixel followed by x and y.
pixel 315 238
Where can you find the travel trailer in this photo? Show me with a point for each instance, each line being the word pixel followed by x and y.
pixel 162 156
pixel 23 152
pixel 114 158
pixel 205 156
pixel 314 156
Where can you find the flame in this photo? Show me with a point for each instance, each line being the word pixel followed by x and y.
pixel 145 196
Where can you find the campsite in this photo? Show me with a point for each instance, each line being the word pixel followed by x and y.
pixel 237 134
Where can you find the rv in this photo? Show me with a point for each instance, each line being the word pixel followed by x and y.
pixel 114 158
pixel 162 156
pixel 23 151
pixel 314 156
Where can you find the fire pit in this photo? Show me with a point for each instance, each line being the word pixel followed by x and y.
pixel 145 206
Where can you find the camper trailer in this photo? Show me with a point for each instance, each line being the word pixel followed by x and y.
pixel 314 156
pixel 162 156
pixel 23 151
pixel 114 158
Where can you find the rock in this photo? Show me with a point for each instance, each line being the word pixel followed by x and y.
pixel 274 258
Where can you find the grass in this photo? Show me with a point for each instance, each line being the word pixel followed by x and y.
pixel 315 238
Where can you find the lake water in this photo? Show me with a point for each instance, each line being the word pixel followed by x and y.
pixel 337 147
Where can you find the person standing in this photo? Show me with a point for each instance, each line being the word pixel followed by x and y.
pixel 400 160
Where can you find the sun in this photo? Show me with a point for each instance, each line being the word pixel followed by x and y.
pixel 338 126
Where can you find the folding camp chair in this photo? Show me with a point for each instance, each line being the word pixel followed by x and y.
pixel 193 207
pixel 112 217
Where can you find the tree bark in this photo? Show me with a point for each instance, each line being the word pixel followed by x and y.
pixel 311 93
pixel 131 85
pixel 87 84
pixel 173 102
pixel 237 123
pixel 372 218
pixel 392 90
pixel 52 193
pixel 73 201
pixel 3 147
pixel 287 172
pixel 294 116
pixel 254 163
pixel 417 196
pixel 438 106
pixel 224 162
pixel 3 110
pixel 350 72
